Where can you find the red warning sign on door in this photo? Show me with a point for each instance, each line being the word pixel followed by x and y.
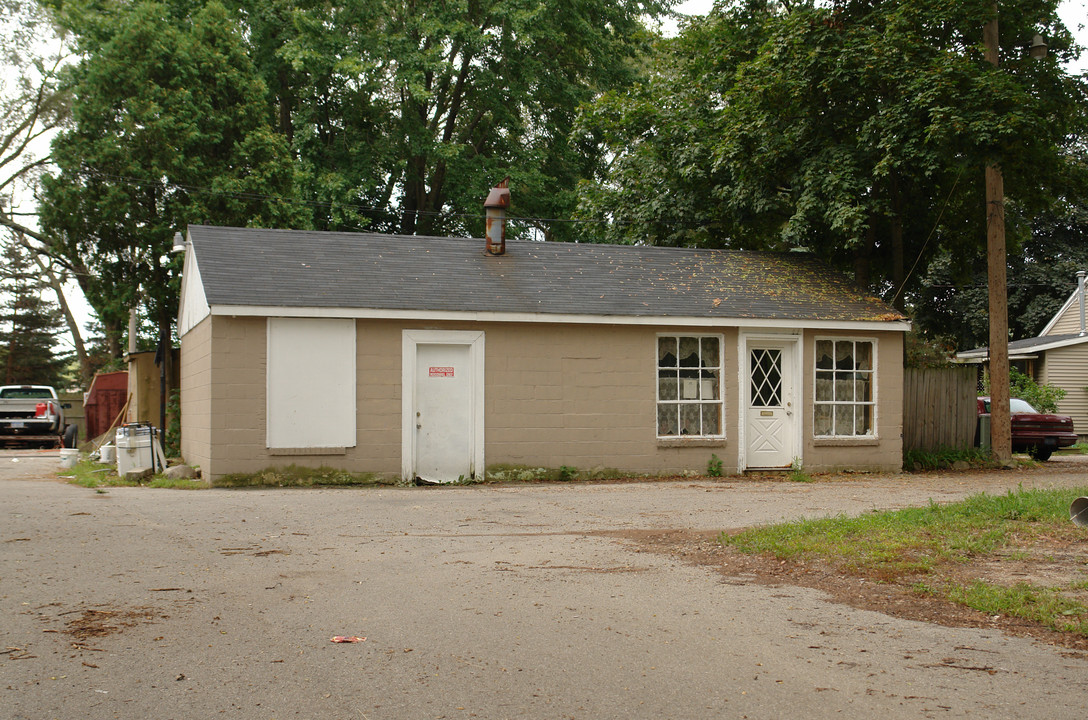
pixel 441 371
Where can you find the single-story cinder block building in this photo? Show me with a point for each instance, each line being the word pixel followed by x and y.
pixel 433 358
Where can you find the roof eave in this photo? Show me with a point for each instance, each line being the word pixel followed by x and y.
pixel 560 318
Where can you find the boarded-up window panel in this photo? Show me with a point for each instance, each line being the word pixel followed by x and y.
pixel 311 383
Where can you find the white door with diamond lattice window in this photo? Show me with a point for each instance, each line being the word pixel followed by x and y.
pixel 769 429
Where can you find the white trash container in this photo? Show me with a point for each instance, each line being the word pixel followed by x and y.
pixel 133 448
pixel 68 458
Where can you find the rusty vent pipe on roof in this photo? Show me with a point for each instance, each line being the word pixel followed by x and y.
pixel 1080 290
pixel 498 200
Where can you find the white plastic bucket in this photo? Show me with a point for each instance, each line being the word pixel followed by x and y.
pixel 68 458
pixel 107 454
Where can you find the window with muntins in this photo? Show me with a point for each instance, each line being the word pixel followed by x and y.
pixel 689 394
pixel 845 382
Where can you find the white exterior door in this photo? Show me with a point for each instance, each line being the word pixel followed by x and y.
pixel 444 382
pixel 770 430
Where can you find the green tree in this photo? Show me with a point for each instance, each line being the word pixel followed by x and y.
pixel 952 296
pixel 171 125
pixel 29 323
pixel 859 129
pixel 403 114
pixel 33 105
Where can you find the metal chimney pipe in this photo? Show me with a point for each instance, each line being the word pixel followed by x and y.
pixel 498 200
pixel 1080 291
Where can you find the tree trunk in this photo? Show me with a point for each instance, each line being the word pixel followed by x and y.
pixel 898 264
pixel 863 257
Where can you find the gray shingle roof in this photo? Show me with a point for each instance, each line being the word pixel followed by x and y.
pixel 1027 344
pixel 290 268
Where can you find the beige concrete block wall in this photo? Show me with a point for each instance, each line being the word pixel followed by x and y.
pixel 196 395
pixel 886 453
pixel 378 398
pixel 239 411
pixel 580 396
pixel 238 395
pixel 585 397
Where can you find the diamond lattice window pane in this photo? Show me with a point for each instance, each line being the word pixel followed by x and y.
pixel 766 378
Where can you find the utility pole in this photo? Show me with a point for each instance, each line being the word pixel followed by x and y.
pixel 1000 420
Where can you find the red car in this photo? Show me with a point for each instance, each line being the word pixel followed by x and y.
pixel 1038 434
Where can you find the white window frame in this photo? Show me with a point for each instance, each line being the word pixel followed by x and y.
pixel 679 402
pixel 874 373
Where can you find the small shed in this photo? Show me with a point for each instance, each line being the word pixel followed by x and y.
pixel 435 358
pixel 146 385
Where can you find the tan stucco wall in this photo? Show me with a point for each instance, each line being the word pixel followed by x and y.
pixel 580 396
pixel 885 451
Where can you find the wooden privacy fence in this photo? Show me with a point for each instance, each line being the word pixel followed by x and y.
pixel 939 408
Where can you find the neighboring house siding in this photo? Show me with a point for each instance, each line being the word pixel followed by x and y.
pixel 885 450
pixel 196 395
pixel 1068 322
pixel 1067 368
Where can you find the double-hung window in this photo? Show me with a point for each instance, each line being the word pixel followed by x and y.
pixel 845 388
pixel 689 391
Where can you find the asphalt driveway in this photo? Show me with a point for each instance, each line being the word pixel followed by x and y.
pixel 488 602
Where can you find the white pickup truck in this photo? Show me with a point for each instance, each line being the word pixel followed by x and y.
pixel 33 414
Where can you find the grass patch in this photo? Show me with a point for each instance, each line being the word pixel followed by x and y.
pixel 90 474
pixel 296 476
pixel 797 472
pixel 1042 605
pixel 1078 449
pixel 945 458
pixel 920 547
pixel 95 475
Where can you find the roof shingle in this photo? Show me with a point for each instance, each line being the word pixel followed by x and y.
pixel 292 268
